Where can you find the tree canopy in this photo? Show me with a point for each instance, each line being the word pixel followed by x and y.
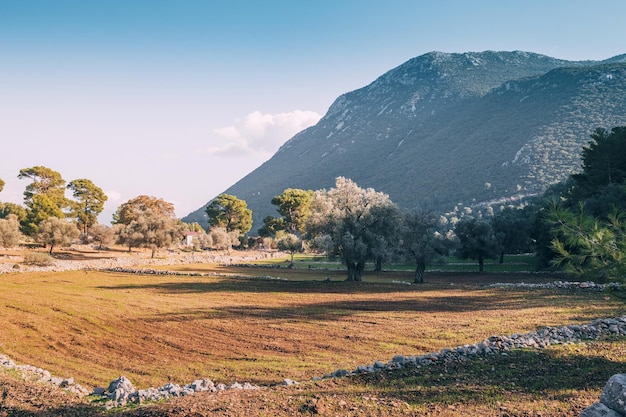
pixel 45 181
pixel 477 240
pixel 40 208
pixel 421 241
pixel 150 229
pixel 130 210
pixel 56 232
pixel 587 246
pixel 345 220
pixel 88 204
pixel 230 213
pixel 9 231
pixel 295 207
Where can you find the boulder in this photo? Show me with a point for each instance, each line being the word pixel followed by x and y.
pixel 599 410
pixel 614 393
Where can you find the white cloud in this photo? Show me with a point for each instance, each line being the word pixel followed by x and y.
pixel 113 197
pixel 259 133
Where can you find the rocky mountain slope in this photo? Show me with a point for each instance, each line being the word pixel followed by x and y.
pixel 445 129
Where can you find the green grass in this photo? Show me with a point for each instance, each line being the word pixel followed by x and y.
pixel 512 263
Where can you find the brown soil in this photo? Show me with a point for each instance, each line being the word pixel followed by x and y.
pixel 389 305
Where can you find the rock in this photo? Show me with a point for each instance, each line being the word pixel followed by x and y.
pixel 66 382
pixel 340 373
pixel 120 389
pixel 202 385
pixel 288 382
pixel 614 393
pixel 599 410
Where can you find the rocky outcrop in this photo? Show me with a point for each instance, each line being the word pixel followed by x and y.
pixel 612 401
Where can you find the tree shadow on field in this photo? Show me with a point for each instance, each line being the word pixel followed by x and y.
pixel 557 373
pixel 336 309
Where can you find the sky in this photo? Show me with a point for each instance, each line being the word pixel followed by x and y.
pixel 180 99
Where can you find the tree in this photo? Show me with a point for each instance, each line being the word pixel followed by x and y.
pixel 600 188
pixel 9 231
pixel 514 228
pixel 1 184
pixel 151 229
pixel 477 240
pixel 344 221
pixel 133 208
pixel 230 213
pixel 56 232
pixel 601 185
pixel 7 209
pixel 295 207
pixel 384 233
pixel 587 246
pixel 88 204
pixel 421 241
pixel 289 242
pixel 45 181
pixel 222 239
pixel 40 208
pixel 271 226
pixel 604 159
pixel 102 234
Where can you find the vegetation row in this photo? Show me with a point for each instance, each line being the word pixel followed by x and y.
pixel 577 226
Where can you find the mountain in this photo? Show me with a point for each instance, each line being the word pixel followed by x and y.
pixel 445 129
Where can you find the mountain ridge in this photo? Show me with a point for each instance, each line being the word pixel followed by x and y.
pixel 449 128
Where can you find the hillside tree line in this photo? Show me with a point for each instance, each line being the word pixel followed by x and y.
pixel 577 226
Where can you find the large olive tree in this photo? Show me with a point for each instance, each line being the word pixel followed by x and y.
pixel 345 222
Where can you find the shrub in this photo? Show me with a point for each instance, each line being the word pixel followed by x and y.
pixel 38 259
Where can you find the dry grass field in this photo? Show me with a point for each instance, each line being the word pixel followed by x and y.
pixel 239 325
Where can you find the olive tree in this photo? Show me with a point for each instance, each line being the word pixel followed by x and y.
pixel 421 241
pixel 345 222
pixel 289 242
pixel 477 240
pixel 133 208
pixel 56 232
pixel 150 229
pixel 103 235
pixel 221 239
pixel 9 231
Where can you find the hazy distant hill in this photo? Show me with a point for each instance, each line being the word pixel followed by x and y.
pixel 443 129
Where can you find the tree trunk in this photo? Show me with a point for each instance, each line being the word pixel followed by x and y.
pixel 51 246
pixel 419 273
pixel 379 265
pixel 501 257
pixel 355 271
pixel 481 264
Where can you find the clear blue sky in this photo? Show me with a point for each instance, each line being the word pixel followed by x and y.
pixel 180 99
